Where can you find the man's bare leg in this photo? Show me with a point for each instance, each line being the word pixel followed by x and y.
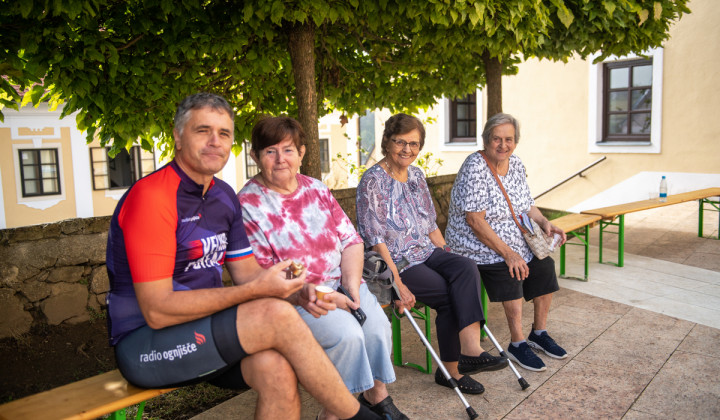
pixel 513 312
pixel 265 324
pixel 270 374
pixel 373 395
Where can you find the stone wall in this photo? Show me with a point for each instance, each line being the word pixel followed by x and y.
pixel 55 273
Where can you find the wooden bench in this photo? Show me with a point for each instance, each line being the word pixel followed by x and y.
pixel 107 393
pixel 609 214
pixel 578 225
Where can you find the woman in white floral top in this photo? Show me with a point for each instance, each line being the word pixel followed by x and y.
pixel 291 216
pixel 481 227
pixel 396 216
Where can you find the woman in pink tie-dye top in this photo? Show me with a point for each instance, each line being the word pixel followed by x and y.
pixel 291 216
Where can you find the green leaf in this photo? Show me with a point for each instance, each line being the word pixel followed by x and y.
pixel 36 93
pixel 566 16
pixel 657 10
pixel 25 8
pixel 609 6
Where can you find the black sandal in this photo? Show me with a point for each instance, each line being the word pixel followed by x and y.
pixel 385 408
pixel 466 384
pixel 470 365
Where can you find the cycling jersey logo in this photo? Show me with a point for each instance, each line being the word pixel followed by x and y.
pixel 191 219
pixel 207 252
pixel 199 338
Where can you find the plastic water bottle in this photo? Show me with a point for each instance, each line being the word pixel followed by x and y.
pixel 663 189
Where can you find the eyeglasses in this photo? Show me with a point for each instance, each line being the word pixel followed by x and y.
pixel 402 143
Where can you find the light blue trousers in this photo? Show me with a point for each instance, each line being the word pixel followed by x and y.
pixel 360 354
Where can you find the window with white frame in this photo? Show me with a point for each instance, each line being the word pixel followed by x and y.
pixel 627 100
pixel 463 119
pixel 625 104
pixel 39 172
pixel 122 170
pixel 460 122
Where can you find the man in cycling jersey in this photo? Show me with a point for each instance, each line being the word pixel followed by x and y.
pixel 169 317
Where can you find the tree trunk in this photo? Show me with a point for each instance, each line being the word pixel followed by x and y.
pixel 493 76
pixel 302 55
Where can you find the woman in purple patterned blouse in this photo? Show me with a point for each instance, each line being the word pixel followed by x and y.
pixel 396 216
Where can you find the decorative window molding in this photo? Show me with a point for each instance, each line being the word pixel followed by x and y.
pixel 44 201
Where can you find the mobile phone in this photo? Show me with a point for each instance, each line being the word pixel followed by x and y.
pixel 357 313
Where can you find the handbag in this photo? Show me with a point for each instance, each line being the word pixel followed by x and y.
pixel 537 240
pixel 378 277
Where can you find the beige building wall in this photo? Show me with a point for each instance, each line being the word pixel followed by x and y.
pixel 552 102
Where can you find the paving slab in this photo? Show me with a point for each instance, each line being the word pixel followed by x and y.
pixel 688 383
pixel 581 390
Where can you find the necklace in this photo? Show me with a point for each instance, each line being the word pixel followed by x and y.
pixel 391 172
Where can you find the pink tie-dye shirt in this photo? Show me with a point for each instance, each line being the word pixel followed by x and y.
pixel 307 225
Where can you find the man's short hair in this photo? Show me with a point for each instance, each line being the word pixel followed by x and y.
pixel 197 101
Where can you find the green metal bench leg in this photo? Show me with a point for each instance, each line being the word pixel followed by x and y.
pixel 601 228
pixel 122 413
pixel 621 238
pixel 701 211
pixel 397 339
pixel 584 238
pixel 587 253
pixel 118 415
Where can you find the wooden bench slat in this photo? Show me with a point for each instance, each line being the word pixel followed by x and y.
pixel 614 211
pixel 86 399
pixel 575 221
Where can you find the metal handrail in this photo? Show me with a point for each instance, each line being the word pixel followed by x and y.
pixel 578 173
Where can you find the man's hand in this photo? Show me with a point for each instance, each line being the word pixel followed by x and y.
pixel 273 282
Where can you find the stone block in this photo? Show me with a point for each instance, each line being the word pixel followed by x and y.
pixel 35 290
pixel 99 280
pixel 67 301
pixel 101 299
pixel 14 321
pixel 93 303
pixel 8 275
pixel 81 249
pixel 71 274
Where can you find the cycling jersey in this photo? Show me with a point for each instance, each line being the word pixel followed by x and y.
pixel 164 227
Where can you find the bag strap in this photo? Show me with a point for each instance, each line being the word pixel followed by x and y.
pixel 494 172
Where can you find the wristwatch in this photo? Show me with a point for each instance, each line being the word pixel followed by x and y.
pixel 446 248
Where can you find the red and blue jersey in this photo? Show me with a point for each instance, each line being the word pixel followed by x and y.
pixel 163 227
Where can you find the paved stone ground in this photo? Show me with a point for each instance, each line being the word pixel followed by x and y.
pixel 624 362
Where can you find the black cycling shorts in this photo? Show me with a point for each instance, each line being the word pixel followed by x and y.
pixel 207 349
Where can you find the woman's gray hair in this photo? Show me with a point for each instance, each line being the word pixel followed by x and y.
pixel 496 120
pixel 197 101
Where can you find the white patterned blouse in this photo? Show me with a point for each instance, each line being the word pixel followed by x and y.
pixel 476 190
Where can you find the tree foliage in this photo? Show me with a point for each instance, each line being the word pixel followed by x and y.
pixel 124 65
